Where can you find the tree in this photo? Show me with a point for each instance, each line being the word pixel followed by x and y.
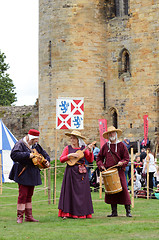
pixel 7 94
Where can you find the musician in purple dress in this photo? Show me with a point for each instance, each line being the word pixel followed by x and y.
pixel 75 198
pixel 113 153
pixel 25 173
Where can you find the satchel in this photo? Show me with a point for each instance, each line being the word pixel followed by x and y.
pixel 82 168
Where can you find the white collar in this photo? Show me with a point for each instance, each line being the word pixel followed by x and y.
pixel 24 139
pixel 109 142
pixel 117 141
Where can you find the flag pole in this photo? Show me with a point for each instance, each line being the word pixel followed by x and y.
pixel 147 161
pixel 132 178
pixel 55 165
pixel 45 181
pixel 55 169
pixel 100 188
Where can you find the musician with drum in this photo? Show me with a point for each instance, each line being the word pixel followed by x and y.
pixel 28 157
pixel 75 198
pixel 114 153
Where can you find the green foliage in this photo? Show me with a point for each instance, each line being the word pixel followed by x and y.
pixel 7 94
pixel 2 112
pixel 157 162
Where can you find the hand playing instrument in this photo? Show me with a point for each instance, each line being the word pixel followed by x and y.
pixel 112 180
pixel 73 160
pixel 39 161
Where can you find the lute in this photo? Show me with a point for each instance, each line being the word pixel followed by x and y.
pixel 72 160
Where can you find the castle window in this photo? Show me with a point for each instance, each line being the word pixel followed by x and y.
pixel 125 7
pixel 114 117
pixel 115 121
pixel 124 62
pixel 121 8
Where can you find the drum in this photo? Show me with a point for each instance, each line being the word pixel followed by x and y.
pixel 111 181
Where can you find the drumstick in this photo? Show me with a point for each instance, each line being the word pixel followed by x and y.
pixel 114 166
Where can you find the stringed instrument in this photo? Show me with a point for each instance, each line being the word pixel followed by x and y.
pixel 73 160
pixel 39 161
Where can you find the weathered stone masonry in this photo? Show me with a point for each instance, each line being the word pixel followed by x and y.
pixel 19 119
pixel 82 45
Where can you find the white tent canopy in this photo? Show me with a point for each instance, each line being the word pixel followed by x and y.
pixel 7 141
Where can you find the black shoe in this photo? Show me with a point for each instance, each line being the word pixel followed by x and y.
pixel 112 215
pixel 128 215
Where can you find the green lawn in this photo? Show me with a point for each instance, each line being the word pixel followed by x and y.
pixel 143 225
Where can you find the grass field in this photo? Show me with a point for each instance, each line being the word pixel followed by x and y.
pixel 143 225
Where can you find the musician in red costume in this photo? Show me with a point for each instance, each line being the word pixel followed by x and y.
pixel 113 153
pixel 22 156
pixel 75 198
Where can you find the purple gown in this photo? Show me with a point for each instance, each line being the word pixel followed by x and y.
pixel 75 198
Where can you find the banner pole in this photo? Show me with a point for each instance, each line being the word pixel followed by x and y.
pixel 147 161
pixel 45 181
pixel 55 169
pixel 138 146
pixel 132 178
pixel 100 186
pixel 49 186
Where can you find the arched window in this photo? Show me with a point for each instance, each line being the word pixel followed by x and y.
pixel 124 62
pixel 115 120
pixel 114 117
pixel 116 8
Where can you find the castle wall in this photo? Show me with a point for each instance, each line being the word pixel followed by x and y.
pixel 76 30
pixel 134 96
pixel 79 46
pixel 19 119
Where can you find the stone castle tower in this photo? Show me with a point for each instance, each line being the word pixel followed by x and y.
pixel 106 51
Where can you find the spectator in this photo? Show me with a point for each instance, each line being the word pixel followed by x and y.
pixel 152 169
pixel 143 154
pixel 95 151
pixel 138 164
pixel 127 144
pixel 137 181
pixel 145 145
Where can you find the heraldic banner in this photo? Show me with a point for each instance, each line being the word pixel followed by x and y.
pixel 69 113
pixel 102 129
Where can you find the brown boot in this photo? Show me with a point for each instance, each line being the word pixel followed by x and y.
pixel 20 214
pixel 29 216
pixel 114 211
